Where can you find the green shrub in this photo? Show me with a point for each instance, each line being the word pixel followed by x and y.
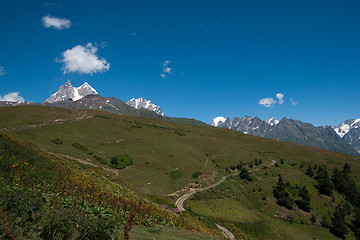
pixel 100 159
pixel 196 174
pixel 175 175
pixel 80 147
pixel 57 141
pixel 121 161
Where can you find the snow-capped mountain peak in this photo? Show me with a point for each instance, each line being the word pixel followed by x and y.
pixel 68 92
pixel 146 104
pixel 272 121
pixel 218 120
pixel 343 128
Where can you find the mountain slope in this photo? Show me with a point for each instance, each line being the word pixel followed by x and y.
pixel 170 158
pixel 290 130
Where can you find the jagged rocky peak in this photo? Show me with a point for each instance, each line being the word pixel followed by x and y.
pixel 272 121
pixel 69 93
pixel 145 104
pixel 217 121
pixel 343 128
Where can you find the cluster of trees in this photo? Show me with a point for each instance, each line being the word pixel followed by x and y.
pixel 240 165
pixel 344 184
pixel 286 195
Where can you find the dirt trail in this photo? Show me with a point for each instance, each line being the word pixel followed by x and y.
pixel 180 202
pixel 87 162
pixel 54 122
pixel 226 232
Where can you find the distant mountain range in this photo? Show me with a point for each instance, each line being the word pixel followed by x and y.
pixel 86 97
pixel 341 138
pixel 344 137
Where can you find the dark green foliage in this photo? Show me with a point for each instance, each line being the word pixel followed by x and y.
pixel 179 133
pixel 57 141
pixel 313 218
pixel 282 196
pixel 260 161
pixel 100 159
pixel 256 162
pixel 121 161
pixel 325 222
pixel 80 147
pixel 345 185
pixel 282 161
pixel 196 174
pixel 310 171
pixel 356 223
pixel 245 175
pixel 232 167
pixel 251 164
pixel 175 175
pixel 277 165
pixel 325 185
pixel 304 202
pixel 240 165
pixel 338 223
pixel 102 116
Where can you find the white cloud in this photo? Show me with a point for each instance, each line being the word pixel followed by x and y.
pixel 280 96
pixel 166 69
pixel 83 60
pixel 2 71
pixel 12 97
pixel 267 102
pixel 55 22
pixel 294 103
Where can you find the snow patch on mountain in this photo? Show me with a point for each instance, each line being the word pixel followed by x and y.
pixel 218 120
pixel 272 121
pixel 68 92
pixel 145 104
pixel 343 128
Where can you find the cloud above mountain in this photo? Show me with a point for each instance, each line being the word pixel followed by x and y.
pixel 84 60
pixel 2 71
pixel 55 22
pixel 280 97
pixel 11 97
pixel 166 69
pixel 269 102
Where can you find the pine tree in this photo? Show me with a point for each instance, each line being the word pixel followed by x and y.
pixel 325 185
pixel 282 196
pixel 310 171
pixel 304 202
pixel 356 223
pixel 338 224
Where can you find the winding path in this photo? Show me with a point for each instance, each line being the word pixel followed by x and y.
pixel 226 232
pixel 180 202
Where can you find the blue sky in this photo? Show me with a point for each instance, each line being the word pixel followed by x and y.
pixel 219 58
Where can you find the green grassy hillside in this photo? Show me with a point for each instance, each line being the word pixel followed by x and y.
pixel 167 158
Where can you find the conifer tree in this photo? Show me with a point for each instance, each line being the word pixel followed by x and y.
pixel 338 223
pixel 310 171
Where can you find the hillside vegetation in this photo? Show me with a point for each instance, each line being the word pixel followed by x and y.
pixel 161 160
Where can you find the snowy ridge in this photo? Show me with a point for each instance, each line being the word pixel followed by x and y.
pixel 145 104
pixel 68 92
pixel 343 128
pixel 218 120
